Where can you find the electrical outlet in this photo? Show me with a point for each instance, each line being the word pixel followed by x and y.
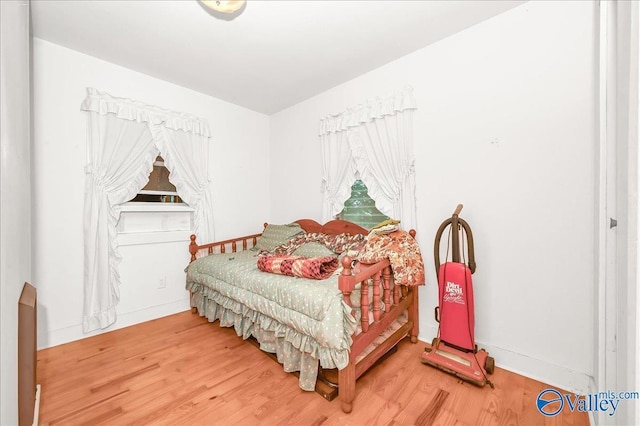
pixel 162 283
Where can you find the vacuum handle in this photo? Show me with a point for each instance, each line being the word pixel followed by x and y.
pixel 455 221
pixel 455 240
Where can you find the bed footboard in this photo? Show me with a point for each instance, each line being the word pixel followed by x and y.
pixel 387 304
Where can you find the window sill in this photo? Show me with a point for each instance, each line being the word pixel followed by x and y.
pixel 160 218
pixel 138 238
pixel 155 207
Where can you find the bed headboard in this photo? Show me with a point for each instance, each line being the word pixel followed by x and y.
pixel 333 227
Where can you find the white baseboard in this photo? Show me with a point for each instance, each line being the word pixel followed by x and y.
pixel 595 419
pixel 74 332
pixel 543 371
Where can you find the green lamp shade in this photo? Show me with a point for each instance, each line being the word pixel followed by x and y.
pixel 360 208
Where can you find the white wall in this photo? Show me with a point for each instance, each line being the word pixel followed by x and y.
pixel 505 125
pixel 15 195
pixel 240 147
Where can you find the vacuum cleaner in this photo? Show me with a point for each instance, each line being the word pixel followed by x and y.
pixel 455 350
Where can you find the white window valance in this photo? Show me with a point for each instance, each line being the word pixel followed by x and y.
pixel 368 111
pixel 374 141
pixel 129 109
pixel 124 137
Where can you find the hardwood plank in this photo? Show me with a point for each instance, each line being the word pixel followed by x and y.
pixel 428 416
pixel 84 409
pixel 183 370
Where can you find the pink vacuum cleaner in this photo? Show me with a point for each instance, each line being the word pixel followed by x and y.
pixel 455 350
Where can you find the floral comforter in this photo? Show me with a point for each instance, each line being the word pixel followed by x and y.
pixel 403 253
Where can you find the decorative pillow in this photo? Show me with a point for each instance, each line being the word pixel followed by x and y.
pixel 275 235
pixel 313 249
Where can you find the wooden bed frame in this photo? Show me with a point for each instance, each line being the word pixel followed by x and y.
pixel 396 301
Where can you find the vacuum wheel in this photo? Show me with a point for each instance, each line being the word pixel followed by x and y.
pixel 489 365
pixel 433 345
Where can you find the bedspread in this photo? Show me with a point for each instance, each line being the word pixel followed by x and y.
pixel 300 319
pixel 317 268
pixel 403 253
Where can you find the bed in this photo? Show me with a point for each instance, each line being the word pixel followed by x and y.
pixel 347 321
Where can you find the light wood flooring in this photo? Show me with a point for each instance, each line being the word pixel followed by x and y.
pixel 182 370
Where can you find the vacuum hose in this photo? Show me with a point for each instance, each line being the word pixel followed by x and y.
pixel 456 223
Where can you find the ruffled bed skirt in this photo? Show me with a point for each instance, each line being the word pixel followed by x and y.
pixel 294 350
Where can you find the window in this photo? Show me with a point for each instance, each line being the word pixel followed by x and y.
pixel 360 208
pixel 158 189
pixel 156 214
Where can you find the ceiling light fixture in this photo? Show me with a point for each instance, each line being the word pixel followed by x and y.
pixel 224 6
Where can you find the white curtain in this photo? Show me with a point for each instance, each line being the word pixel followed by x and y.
pixel 375 141
pixel 338 172
pixel 183 155
pixel 124 137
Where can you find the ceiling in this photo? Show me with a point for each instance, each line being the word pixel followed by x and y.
pixel 266 57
